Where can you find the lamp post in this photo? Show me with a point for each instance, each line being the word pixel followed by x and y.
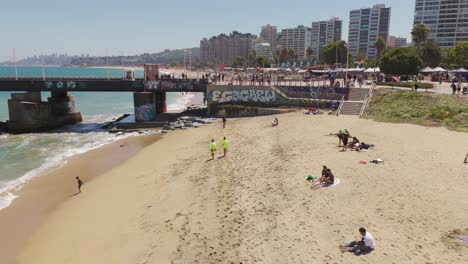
pixel 190 62
pixel 121 62
pixel 107 63
pixel 42 62
pixel 347 63
pixel 16 68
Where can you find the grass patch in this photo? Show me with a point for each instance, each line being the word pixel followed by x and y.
pixel 427 109
pixel 406 85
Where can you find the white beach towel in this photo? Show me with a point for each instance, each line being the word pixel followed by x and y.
pixel 335 182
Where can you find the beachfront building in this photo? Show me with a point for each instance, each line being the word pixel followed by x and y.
pixel 224 49
pixel 297 39
pixel 365 27
pixel 263 49
pixel 396 42
pixel 324 32
pixel 447 20
pixel 269 35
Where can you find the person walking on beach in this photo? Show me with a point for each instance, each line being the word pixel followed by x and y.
pixel 361 246
pixel 225 145
pixel 213 148
pixel 466 159
pixel 79 182
pixel 224 122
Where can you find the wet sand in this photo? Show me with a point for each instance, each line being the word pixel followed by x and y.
pixel 41 195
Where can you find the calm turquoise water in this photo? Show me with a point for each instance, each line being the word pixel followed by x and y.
pixel 23 157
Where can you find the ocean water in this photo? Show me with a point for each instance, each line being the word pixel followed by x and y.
pixel 23 157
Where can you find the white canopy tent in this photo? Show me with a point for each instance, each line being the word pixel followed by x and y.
pixel 439 69
pixel 427 70
pixel 373 70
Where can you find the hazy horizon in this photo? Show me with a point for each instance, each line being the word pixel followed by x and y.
pixel 145 26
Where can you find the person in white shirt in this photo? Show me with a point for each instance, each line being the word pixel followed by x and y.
pixel 365 245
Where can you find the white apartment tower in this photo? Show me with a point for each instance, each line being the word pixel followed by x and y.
pixel 269 35
pixel 324 32
pixel 365 27
pixel 447 20
pixel 297 39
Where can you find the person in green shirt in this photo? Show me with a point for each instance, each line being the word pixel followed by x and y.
pixel 225 145
pixel 213 148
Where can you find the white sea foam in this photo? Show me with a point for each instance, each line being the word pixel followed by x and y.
pixel 6 199
pixel 181 102
pixel 70 144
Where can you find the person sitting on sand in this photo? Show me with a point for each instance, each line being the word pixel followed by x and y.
pixel 328 179
pixel 353 143
pixel 275 122
pixel 213 148
pixel 361 246
pixel 466 159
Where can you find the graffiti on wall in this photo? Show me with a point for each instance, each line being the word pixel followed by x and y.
pixel 145 113
pixel 246 96
pixel 60 85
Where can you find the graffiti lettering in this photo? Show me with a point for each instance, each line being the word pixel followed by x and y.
pixel 152 85
pixel 252 95
pixel 71 85
pixel 145 112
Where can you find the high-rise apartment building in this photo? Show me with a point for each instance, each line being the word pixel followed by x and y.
pixel 365 27
pixel 224 49
pixel 263 49
pixel 447 20
pixel 324 32
pixel 396 42
pixel 297 39
pixel 269 35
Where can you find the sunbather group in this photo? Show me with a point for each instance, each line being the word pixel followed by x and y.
pixel 327 179
pixel 343 137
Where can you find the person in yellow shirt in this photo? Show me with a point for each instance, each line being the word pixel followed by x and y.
pixel 225 145
pixel 213 148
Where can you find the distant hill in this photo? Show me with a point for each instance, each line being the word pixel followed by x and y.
pixel 166 57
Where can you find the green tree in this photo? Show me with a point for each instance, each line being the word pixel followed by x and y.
pixel 448 58
pixel 419 33
pixel 263 62
pixel 335 52
pixel 252 58
pixel 401 61
pixel 239 62
pixel 460 54
pixel 431 54
pixel 380 46
pixel 283 56
pixel 292 55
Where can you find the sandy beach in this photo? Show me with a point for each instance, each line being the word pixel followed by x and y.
pixel 37 198
pixel 167 204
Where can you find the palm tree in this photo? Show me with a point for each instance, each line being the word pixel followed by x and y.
pixel 380 45
pixel 419 33
pixel 309 53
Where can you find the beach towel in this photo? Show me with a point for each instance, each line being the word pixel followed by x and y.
pixel 335 182
pixel 464 239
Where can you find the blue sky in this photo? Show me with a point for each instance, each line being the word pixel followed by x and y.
pixel 137 26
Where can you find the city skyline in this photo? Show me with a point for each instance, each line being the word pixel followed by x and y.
pixel 51 26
